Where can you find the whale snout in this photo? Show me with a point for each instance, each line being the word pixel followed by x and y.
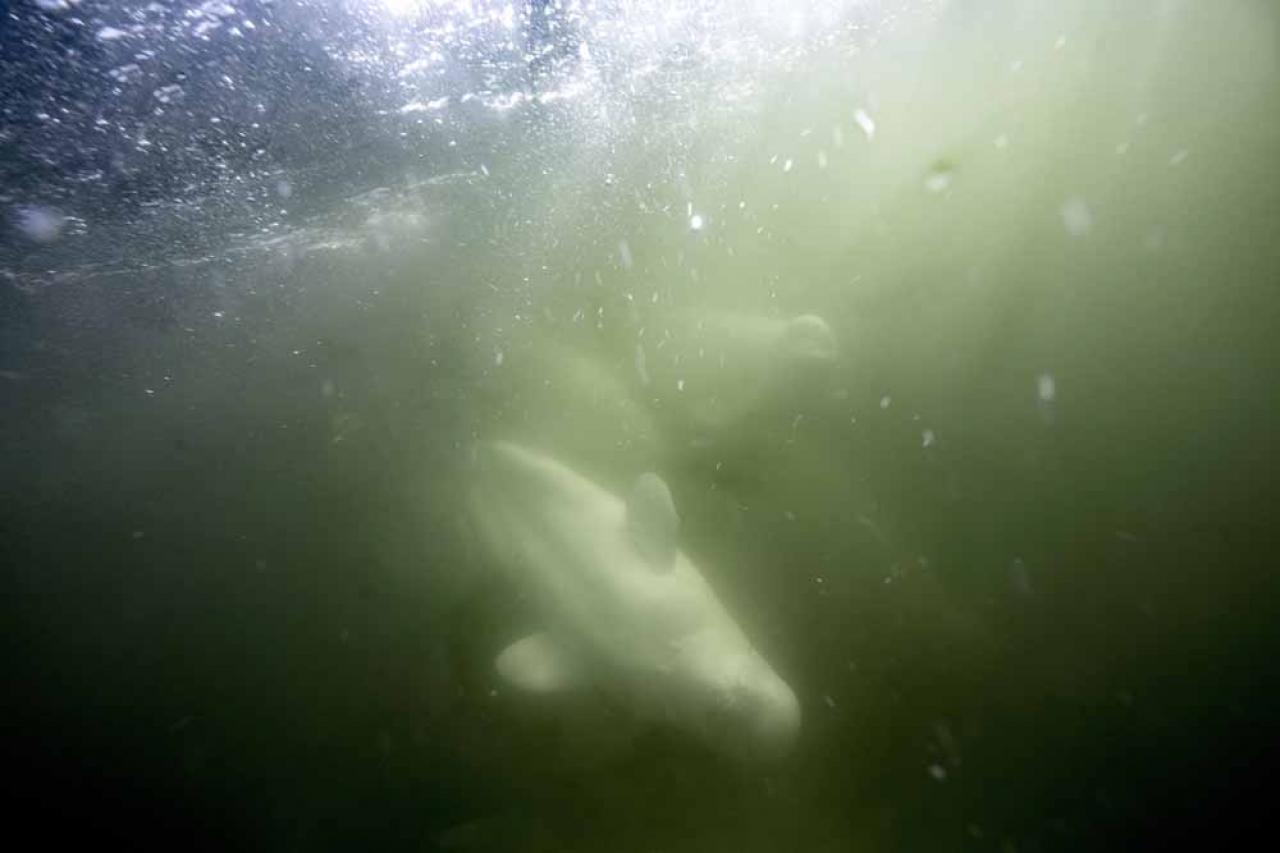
pixel 775 723
pixel 760 722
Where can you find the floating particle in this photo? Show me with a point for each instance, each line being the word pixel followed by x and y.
pixel 831 703
pixel 938 772
pixel 498 357
pixel 939 177
pixel 948 742
pixel 1002 141
pixel 121 74
pixel 1179 156
pixel 641 367
pixel 1019 577
pixel 624 254
pixel 696 222
pixel 865 123
pixel 111 34
pixel 885 401
pixel 822 159
pixel 168 94
pixel 786 167
pixel 284 189
pixel 926 438
pixel 1046 388
pixel 679 384
pixel 1076 217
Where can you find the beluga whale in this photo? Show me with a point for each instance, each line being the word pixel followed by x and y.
pixel 714 375
pixel 624 610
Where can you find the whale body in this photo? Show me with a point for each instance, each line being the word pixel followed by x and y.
pixel 625 610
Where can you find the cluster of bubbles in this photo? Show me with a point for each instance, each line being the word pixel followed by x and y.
pixel 209 107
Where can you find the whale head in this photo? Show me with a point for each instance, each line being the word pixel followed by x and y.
pixel 807 339
pixel 738 704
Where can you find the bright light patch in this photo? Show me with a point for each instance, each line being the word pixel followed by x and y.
pixel 402 8
pixel 464 8
pixel 39 224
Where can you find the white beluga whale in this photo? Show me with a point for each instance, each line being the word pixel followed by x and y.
pixel 720 371
pixel 625 611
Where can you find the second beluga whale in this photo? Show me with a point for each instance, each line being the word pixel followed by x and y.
pixel 715 372
pixel 625 611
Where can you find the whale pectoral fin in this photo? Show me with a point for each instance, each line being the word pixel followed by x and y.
pixel 539 664
pixel 652 522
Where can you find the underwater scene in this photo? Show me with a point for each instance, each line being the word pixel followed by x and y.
pixel 607 425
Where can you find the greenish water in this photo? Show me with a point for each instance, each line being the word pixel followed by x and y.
pixel 1013 549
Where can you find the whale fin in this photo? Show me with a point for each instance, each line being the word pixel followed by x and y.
pixel 652 522
pixel 539 664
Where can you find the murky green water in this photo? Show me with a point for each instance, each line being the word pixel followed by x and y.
pixel 1011 547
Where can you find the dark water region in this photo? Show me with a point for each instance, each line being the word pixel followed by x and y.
pixel 1012 549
